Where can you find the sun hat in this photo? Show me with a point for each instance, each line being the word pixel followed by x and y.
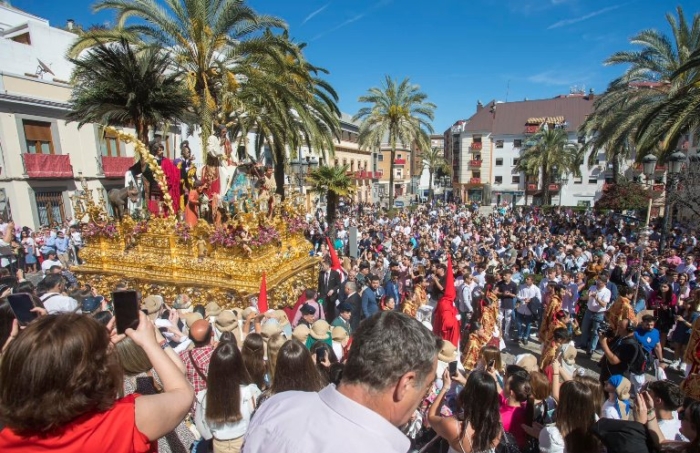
pixel 270 328
pixel 238 311
pixel 527 361
pixel 182 302
pixel 248 311
pixel 212 309
pixel 320 330
pixel 339 333
pixel 301 333
pixel 226 321
pixel 448 352
pixel 281 317
pixel 190 318
pixel 152 305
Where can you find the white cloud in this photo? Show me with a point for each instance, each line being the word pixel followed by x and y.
pixel 379 4
pixel 315 13
pixel 558 78
pixel 575 20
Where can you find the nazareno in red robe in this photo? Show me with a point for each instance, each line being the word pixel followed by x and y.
pixel 445 322
pixel 172 177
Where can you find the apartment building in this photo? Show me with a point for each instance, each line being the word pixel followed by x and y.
pixel 484 150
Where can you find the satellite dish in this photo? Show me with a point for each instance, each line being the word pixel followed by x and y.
pixel 43 68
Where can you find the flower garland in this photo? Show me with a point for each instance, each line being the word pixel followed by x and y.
pixel 230 238
pixel 92 229
pixel 297 224
pixel 183 232
pixel 150 160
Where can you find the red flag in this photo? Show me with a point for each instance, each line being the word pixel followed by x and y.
pixel 262 298
pixel 335 262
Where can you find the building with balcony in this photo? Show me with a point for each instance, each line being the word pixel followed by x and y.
pixel 42 156
pixel 484 150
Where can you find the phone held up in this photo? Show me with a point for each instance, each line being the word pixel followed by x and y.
pixel 21 305
pixel 126 310
pixel 320 355
pixel 453 368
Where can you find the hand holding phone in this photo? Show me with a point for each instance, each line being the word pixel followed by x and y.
pixel 126 310
pixel 320 355
pixel 453 368
pixel 22 306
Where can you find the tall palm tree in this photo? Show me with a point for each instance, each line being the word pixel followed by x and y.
pixel 397 112
pixel 550 156
pixel 288 106
pixel 214 43
pixel 334 182
pixel 636 96
pixel 433 160
pixel 117 86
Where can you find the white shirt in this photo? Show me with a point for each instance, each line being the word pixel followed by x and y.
pixel 551 440
pixel 609 411
pixel 569 302
pixel 226 431
pixel 603 294
pixel 671 428
pixel 4 262
pixel 528 292
pixel 48 264
pixel 326 421
pixel 56 303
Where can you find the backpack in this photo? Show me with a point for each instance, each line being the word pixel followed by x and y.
pixel 641 362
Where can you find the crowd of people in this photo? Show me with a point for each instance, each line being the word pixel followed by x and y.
pixel 438 329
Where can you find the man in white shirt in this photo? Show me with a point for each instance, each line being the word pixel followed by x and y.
pixel 688 267
pixel 530 299
pixel 570 292
pixel 598 300
pixel 667 398
pixel 5 241
pixel 50 261
pixel 54 300
pixel 379 391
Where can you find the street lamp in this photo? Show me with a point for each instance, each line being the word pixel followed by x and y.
pixel 562 180
pixel 649 167
pixel 300 168
pixel 675 163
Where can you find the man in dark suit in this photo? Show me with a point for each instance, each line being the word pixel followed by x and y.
pixel 328 287
pixel 355 301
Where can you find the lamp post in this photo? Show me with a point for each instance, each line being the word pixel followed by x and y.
pixel 300 168
pixel 562 180
pixel 675 163
pixel 649 167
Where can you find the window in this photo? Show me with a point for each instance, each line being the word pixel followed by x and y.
pixel 335 162
pixel 515 161
pixel 476 174
pixel 593 179
pixel 398 156
pixel 578 180
pixel 49 206
pixel 38 137
pixel 517 143
pixel 477 156
pixel 499 143
pixel 476 138
pixel 498 179
pixel 399 173
pixel 352 165
pixel 111 145
pixel 499 161
pixel 515 179
pixel 380 157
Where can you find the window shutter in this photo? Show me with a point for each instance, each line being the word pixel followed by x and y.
pixel 37 131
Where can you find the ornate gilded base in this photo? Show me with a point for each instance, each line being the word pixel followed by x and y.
pixel 160 264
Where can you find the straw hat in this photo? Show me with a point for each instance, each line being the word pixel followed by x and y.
pixel 269 329
pixel 152 305
pixel 320 330
pixel 338 333
pixel 190 318
pixel 527 361
pixel 238 311
pixel 448 352
pixel 212 309
pixel 248 311
pixel 281 317
pixel 301 333
pixel 182 302
pixel 226 321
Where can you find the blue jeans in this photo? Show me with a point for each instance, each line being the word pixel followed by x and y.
pixel 589 329
pixel 525 324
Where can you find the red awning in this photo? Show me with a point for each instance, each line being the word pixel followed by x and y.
pixel 47 165
pixel 116 167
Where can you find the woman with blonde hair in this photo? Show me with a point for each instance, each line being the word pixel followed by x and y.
pixel 273 346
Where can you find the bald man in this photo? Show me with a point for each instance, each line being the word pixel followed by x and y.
pixel 196 360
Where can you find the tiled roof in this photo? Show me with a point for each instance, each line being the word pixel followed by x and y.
pixel 510 118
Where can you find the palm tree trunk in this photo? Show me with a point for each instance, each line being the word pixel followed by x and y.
pixel 545 187
pixel 142 131
pixel 616 167
pixel 331 203
pixel 391 175
pixel 430 184
pixel 279 169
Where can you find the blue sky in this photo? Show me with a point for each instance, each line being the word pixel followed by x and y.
pixel 458 51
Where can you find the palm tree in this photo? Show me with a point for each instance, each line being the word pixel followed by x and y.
pixel 433 160
pixel 397 112
pixel 334 182
pixel 551 156
pixel 116 86
pixel 214 43
pixel 636 96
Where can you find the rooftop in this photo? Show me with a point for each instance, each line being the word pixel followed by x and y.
pixel 510 118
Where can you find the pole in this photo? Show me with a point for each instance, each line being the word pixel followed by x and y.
pixel 670 183
pixel 651 194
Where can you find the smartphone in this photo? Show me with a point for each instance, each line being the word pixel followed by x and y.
pixel 320 355
pixel 453 368
pixel 491 364
pixel 21 305
pixel 126 309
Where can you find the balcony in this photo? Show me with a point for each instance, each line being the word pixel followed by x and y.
pixel 531 188
pixel 475 163
pixel 658 188
pixel 532 128
pixel 553 187
pixel 115 167
pixel 47 165
pixel 475 181
pixel 364 174
pixel 399 161
pixel 476 145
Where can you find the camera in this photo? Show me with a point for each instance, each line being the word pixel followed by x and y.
pixel 605 330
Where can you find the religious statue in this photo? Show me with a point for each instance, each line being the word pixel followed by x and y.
pixel 188 172
pixel 268 189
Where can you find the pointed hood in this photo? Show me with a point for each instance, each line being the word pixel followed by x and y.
pixel 335 262
pixel 450 292
pixel 262 298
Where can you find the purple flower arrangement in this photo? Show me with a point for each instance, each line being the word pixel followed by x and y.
pixel 229 238
pixel 141 227
pixel 92 229
pixel 296 224
pixel 183 232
